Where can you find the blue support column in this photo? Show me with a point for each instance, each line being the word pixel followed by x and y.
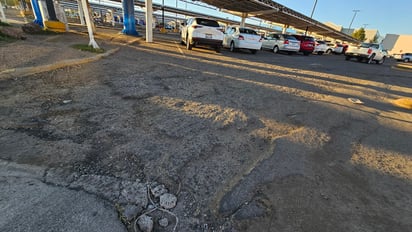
pixel 129 22
pixel 37 13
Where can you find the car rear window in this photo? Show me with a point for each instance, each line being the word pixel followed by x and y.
pixel 309 39
pixel 368 45
pixel 304 38
pixel 247 31
pixel 207 22
pixel 289 37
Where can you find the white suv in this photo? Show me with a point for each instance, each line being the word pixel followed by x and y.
pixel 201 31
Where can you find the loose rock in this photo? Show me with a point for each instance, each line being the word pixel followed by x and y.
pixel 158 190
pixel 163 222
pixel 145 223
pixel 168 201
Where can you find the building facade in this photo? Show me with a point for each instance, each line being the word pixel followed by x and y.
pixel 397 44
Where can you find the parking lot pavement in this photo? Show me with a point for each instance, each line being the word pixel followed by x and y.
pixel 28 204
pixel 265 142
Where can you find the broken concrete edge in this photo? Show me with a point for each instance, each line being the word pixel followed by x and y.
pixel 9 169
pixel 27 71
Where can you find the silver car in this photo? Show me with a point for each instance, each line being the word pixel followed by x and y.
pixel 281 43
pixel 405 57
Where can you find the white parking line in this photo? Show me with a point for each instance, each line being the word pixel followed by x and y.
pixel 178 48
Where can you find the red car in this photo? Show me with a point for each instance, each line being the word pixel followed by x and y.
pixel 307 44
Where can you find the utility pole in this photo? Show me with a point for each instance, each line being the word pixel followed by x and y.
pixel 354 15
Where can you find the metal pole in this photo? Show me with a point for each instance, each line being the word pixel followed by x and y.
pixel 311 15
pixel 163 13
pixel 313 9
pixel 354 15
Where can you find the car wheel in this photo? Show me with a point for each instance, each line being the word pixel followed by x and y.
pixel 232 47
pixel 381 61
pixel 253 51
pixel 275 49
pixel 218 48
pixel 306 53
pixel 347 57
pixel 370 60
pixel 188 44
pixel 320 53
pixel 406 60
pixel 329 51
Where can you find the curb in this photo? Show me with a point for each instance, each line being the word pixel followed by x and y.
pixel 27 71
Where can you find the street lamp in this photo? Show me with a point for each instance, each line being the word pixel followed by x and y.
pixel 354 15
pixel 163 13
pixel 311 15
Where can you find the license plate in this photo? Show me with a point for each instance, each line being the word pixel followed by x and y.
pixel 208 36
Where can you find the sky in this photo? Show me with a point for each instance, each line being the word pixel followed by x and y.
pixel 387 16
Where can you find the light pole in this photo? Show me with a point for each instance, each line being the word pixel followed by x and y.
pixel 311 15
pixel 354 15
pixel 163 13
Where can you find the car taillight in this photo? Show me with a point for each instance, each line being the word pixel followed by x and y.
pixel 286 41
pixel 241 37
pixel 369 51
pixel 196 26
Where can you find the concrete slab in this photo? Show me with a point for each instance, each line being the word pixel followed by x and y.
pixel 28 204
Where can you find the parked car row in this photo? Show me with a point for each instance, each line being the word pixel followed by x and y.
pixel 202 31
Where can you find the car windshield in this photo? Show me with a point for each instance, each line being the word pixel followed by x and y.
pixel 368 45
pixel 247 31
pixel 207 22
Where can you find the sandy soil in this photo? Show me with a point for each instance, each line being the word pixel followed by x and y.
pixel 245 145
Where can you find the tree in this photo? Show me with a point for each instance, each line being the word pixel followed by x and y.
pixel 375 39
pixel 359 34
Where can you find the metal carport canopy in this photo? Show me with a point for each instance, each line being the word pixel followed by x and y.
pixel 274 12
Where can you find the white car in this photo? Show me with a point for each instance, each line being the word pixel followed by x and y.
pixel 202 31
pixel 281 43
pixel 320 47
pixel 237 37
